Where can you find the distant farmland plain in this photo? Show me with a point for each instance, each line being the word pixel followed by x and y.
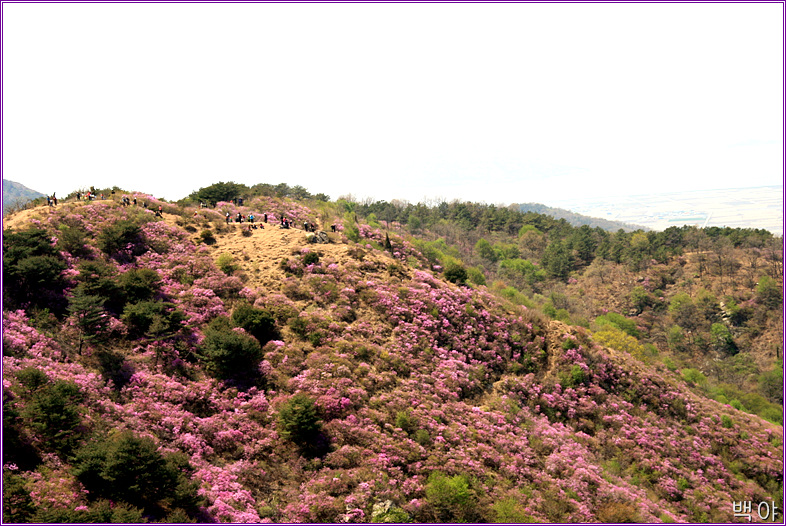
pixel 759 207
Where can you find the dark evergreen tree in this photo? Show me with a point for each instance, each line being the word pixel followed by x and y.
pixel 557 261
pixel 90 318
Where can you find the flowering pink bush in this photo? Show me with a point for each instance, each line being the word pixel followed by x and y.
pixel 409 376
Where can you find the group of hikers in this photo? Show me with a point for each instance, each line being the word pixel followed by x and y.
pixel 250 218
pixel 125 201
pixel 240 218
pixel 89 195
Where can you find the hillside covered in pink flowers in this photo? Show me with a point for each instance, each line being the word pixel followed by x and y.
pixel 186 369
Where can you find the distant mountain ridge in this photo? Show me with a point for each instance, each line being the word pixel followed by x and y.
pixel 577 219
pixel 15 194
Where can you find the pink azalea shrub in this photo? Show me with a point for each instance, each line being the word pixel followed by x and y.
pixel 410 378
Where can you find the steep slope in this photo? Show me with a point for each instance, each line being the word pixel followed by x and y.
pixel 381 392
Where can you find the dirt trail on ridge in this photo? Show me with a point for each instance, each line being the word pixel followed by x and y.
pixel 260 254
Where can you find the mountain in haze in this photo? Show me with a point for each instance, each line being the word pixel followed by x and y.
pixel 578 219
pixel 186 367
pixel 17 194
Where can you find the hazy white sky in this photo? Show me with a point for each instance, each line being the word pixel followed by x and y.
pixel 482 102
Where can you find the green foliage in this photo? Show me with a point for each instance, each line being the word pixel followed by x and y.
pixel 506 251
pixel 510 511
pixel 576 376
pixel 726 421
pixel 101 512
pixel 97 278
pixel 372 220
pixel 26 243
pixel 684 312
pixel 669 363
pixel 31 270
pixel 525 269
pixel 476 276
pixel 640 298
pixel 389 515
pixel 694 376
pixel 73 239
pixel 512 294
pixel 128 468
pixel 114 367
pixel 139 284
pixel 722 339
pixel 638 251
pixel 229 354
pixel 309 329
pixel 676 339
pixel 771 384
pixel 569 343
pixel 207 237
pixel 749 402
pixel 89 317
pixel 558 314
pixel 351 229
pixel 617 339
pixel 310 258
pixel 259 323
pixel 299 193
pixel 528 228
pixel 405 421
pixel 53 412
pixel 118 236
pixel 707 306
pixel 557 260
pixel 484 249
pixel 18 506
pixel 769 293
pixel 583 242
pixel 226 262
pixel 456 273
pixel 423 437
pixel 736 315
pixel 153 319
pixel 436 251
pixel 298 421
pixel 220 191
pixel 451 497
pixel 618 321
